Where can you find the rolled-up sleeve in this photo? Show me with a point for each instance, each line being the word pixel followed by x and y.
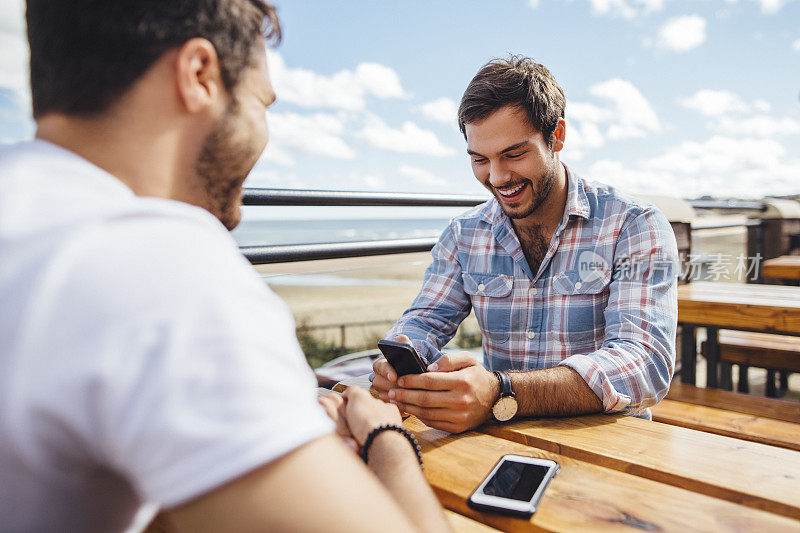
pixel 441 304
pixel 633 368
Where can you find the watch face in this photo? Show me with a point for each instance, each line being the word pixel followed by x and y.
pixel 505 408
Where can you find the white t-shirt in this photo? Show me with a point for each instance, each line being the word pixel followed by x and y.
pixel 142 361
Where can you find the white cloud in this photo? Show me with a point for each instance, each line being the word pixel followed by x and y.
pixel 408 139
pixel 720 166
pixel 12 16
pixel 762 105
pixel 796 45
pixel 277 155
pixel 682 34
pixel 760 126
pixel 627 9
pixel 633 114
pixel 588 112
pixel 581 136
pixel 770 7
pixel 345 89
pixel 616 7
pixel 442 109
pixel 533 4
pixel 625 113
pixel 318 134
pixel 422 176
pixel 715 103
pixel 368 182
pixel 264 177
pixel 15 54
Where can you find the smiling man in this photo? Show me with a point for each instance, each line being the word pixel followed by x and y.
pixel 572 282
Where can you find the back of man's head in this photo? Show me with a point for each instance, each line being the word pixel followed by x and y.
pixel 85 54
pixel 518 82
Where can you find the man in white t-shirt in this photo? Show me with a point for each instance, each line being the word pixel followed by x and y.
pixel 143 364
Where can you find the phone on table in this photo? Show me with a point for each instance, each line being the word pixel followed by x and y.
pixel 403 357
pixel 514 486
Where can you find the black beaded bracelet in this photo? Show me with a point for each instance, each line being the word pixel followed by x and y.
pixel 391 427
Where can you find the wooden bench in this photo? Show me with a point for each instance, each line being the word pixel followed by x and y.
pixel 786 267
pixel 752 418
pixel 762 350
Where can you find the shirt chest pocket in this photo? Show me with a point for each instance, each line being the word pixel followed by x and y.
pixel 583 297
pixel 491 300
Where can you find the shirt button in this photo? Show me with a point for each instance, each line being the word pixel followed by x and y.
pixel 481 287
pixel 578 285
pixel 533 291
pixel 531 334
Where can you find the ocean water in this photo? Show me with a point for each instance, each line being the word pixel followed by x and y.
pixel 271 232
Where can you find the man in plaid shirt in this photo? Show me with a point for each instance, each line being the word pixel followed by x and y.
pixel 573 284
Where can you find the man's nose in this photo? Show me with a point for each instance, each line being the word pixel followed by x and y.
pixel 499 174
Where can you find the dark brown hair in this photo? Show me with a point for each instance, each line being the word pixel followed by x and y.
pixel 85 54
pixel 517 81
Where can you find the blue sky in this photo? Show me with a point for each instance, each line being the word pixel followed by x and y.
pixel 675 97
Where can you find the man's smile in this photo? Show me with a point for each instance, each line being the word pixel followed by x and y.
pixel 512 193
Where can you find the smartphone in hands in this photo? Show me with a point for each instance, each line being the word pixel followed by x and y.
pixel 403 357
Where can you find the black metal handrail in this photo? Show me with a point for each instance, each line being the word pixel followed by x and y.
pixel 259 255
pixel 314 197
pixel 264 197
pixel 287 253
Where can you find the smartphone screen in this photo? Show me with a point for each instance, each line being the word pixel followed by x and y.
pixel 514 486
pixel 516 481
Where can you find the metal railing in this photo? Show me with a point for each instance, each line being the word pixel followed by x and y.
pixel 259 255
pixel 342 327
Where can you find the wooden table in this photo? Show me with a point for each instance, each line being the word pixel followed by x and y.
pixel 763 308
pixel 623 474
pixel 784 267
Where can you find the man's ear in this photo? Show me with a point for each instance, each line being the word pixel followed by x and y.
pixel 559 135
pixel 198 76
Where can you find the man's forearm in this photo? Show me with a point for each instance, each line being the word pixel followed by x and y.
pixel 394 462
pixel 558 391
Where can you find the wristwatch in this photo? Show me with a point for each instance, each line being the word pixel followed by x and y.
pixel 505 407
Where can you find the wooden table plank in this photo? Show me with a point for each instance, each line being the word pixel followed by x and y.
pixel 729 423
pixel 767 308
pixel 784 267
pixel 583 496
pixel 751 474
pixel 733 401
pixel 462 524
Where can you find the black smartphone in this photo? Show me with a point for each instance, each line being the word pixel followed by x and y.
pixel 403 357
pixel 514 486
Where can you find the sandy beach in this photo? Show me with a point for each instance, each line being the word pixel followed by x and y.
pixel 373 290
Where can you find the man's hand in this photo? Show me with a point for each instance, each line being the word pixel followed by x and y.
pixel 385 376
pixel 455 395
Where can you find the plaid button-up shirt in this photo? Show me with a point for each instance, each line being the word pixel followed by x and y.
pixel 603 302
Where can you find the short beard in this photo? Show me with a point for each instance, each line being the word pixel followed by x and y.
pixel 222 166
pixel 540 194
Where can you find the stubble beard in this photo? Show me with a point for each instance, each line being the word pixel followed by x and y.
pixel 540 194
pixel 222 166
